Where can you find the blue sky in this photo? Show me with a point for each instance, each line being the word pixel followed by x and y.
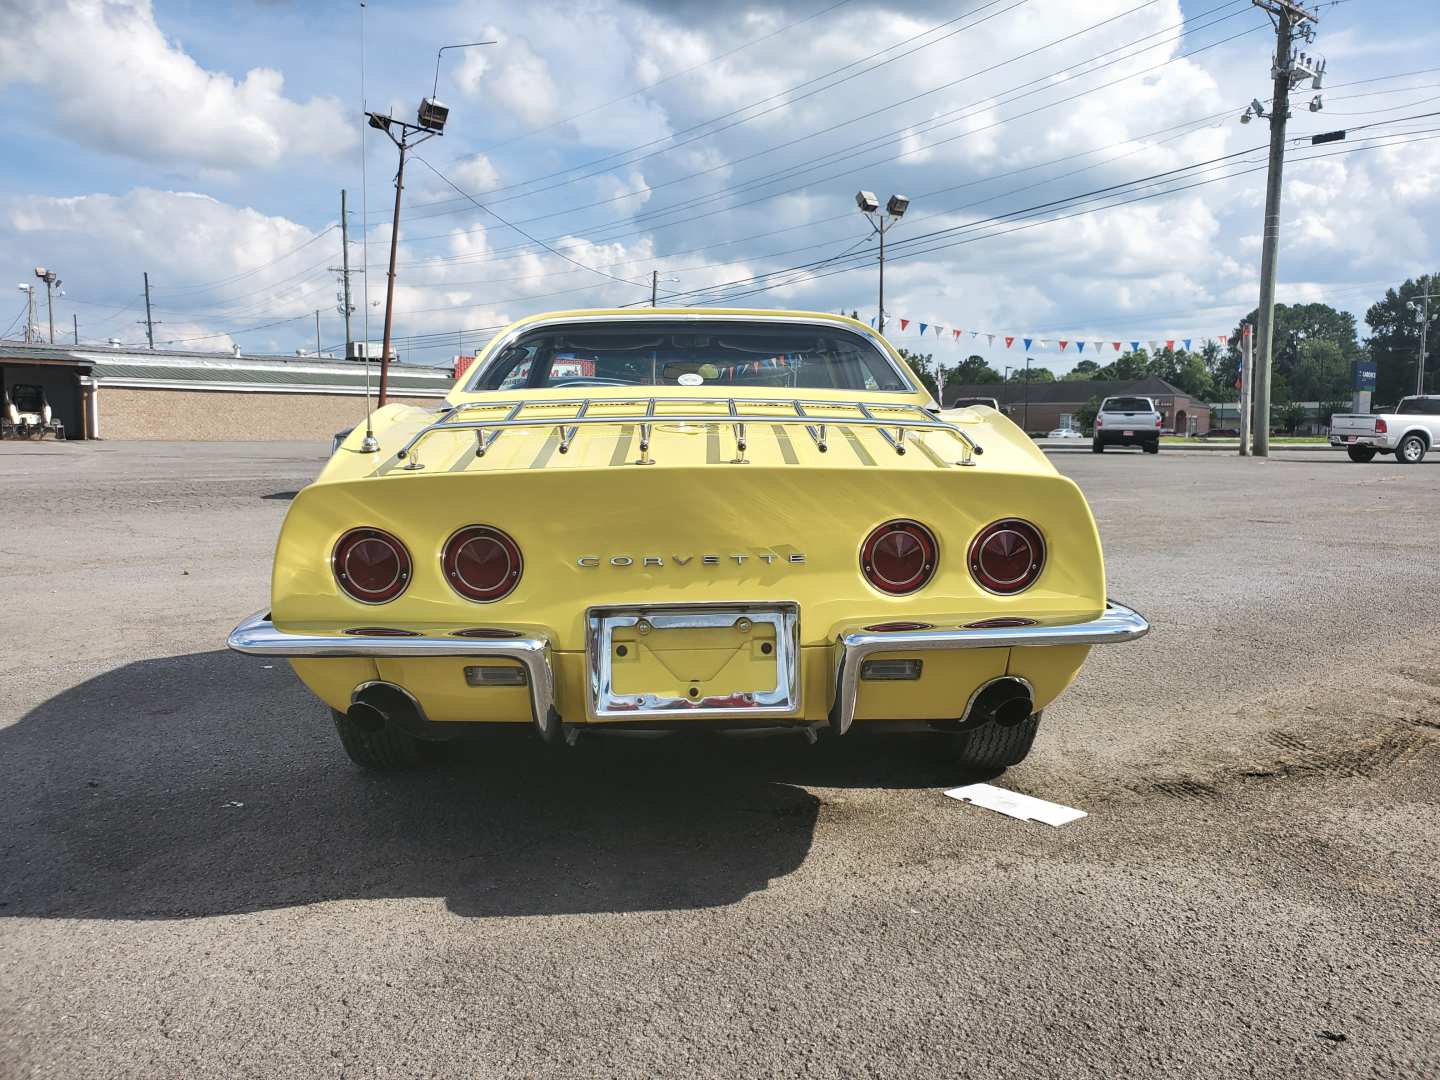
pixel 207 143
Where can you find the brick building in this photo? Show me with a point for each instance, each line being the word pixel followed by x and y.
pixel 1044 406
pixel 123 393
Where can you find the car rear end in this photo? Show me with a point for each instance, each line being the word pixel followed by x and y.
pixel 1127 421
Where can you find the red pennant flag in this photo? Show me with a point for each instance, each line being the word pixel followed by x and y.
pixel 1063 343
pixel 1009 340
pixel 957 334
pixel 904 324
pixel 1115 345
pixel 1170 344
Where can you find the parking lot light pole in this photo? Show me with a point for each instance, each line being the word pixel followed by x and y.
pixel 881 221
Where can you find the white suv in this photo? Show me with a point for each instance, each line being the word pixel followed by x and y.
pixel 1127 421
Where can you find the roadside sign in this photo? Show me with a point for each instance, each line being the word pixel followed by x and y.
pixel 1362 375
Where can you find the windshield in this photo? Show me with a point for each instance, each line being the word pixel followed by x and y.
pixel 1128 404
pixel 725 354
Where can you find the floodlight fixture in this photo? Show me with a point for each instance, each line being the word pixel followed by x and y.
pixel 432 115
pixel 1316 103
pixel 1245 117
pixel 867 202
pixel 1257 108
pixel 379 121
pixel 897 205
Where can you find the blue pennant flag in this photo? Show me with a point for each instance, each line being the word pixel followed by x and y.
pixel 1186 343
pixel 872 322
pixel 1134 346
pixel 1079 346
pixel 922 329
pixel 1027 343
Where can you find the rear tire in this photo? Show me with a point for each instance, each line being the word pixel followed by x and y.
pixel 1411 450
pixel 991 746
pixel 1152 447
pixel 383 750
pixel 1097 447
pixel 1361 454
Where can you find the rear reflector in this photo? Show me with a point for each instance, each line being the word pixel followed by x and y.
pixel 495 676
pixel 890 670
pixel 380 631
pixel 897 627
pixel 491 632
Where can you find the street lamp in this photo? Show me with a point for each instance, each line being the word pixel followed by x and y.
pixel 895 208
pixel 52 282
pixel 430 120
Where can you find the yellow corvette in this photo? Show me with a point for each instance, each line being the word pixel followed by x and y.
pixel 685 519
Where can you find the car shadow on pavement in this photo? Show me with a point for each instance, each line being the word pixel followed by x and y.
pixel 211 783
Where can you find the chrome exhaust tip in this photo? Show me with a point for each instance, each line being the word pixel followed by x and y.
pixel 366 717
pixel 1006 701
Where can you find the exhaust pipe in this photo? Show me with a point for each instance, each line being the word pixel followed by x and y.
pixel 378 705
pixel 1005 701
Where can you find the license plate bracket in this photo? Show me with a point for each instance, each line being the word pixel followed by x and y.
pixel 693 661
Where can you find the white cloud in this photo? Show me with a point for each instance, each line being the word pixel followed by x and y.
pixel 512 76
pixel 115 82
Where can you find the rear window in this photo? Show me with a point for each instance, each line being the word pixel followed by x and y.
pixel 1127 404
pixel 1419 406
pixel 691 354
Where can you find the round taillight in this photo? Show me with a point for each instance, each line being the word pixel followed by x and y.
pixel 371 566
pixel 481 563
pixel 1007 556
pixel 899 557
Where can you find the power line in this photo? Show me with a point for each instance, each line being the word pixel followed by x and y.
pixel 522 232
pixel 707 62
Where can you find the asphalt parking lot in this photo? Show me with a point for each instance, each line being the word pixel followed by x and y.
pixel 194 882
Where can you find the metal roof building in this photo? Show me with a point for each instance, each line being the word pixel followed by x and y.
pixel 98 391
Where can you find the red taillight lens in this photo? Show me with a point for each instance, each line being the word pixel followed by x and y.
pixel 371 566
pixel 1381 427
pixel 899 557
pixel 1007 556
pixel 482 563
pixel 1099 422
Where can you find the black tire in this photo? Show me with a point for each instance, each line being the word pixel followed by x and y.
pixel 386 749
pixel 1361 454
pixel 1097 447
pixel 1411 450
pixel 992 746
pixel 1152 447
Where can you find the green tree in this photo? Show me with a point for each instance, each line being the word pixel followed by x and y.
pixel 1085 369
pixel 1085 415
pixel 1394 342
pixel 1032 374
pixel 923 364
pixel 973 369
pixel 1295 326
pixel 1290 417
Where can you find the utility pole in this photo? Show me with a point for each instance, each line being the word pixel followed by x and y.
pixel 1247 378
pixel 1424 313
pixel 317 332
pixel 29 291
pixel 346 308
pixel 654 287
pixel 1288 69
pixel 149 322
pixel 52 282
pixel 75 321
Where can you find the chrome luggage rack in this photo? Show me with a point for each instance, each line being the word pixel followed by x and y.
pixel 895 422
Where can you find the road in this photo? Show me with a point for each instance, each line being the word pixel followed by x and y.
pixel 195 883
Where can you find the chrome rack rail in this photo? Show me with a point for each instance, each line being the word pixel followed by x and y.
pixel 738 413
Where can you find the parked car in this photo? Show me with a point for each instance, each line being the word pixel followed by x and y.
pixel 1221 433
pixel 1127 421
pixel 700 519
pixel 1409 432
pixel 1064 433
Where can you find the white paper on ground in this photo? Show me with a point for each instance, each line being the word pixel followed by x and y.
pixel 1013 804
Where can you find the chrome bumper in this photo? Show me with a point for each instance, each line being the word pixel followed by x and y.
pixel 1117 623
pixel 257 636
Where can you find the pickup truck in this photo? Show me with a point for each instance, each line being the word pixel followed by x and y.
pixel 1127 421
pixel 1409 432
